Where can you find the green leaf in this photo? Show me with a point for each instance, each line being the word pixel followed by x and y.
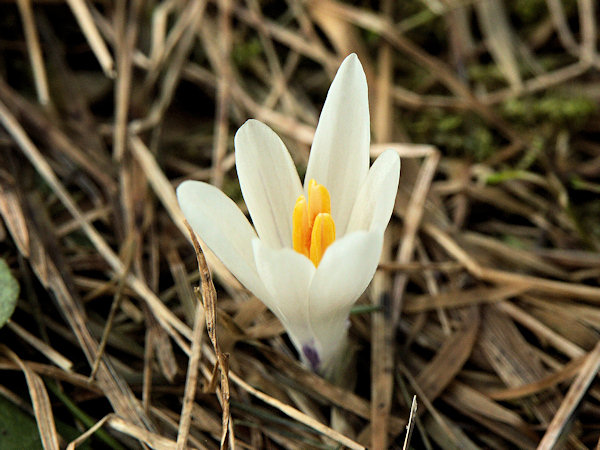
pixel 9 292
pixel 17 428
pixel 362 309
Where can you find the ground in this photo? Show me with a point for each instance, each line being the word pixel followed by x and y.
pixel 485 303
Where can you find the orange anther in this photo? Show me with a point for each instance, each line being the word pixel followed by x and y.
pixel 301 229
pixel 318 200
pixel 313 227
pixel 323 234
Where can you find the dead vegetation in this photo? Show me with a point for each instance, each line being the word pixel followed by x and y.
pixel 487 302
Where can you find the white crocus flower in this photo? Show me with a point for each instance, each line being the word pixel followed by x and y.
pixel 307 260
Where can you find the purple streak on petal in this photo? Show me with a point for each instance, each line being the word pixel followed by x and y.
pixel 312 356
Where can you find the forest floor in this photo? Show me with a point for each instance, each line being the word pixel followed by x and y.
pixel 486 304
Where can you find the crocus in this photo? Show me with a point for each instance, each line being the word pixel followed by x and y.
pixel 313 249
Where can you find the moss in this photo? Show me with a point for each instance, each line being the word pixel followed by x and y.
pixel 586 216
pixel 457 135
pixel 485 73
pixel 529 11
pixel 553 107
pixel 479 143
pixel 243 52
pixel 506 175
pixel 538 143
pixel 450 123
pixel 514 242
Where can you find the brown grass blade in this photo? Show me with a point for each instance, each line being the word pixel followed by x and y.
pixel 40 401
pixel 495 26
pixel 162 313
pixel 209 299
pixel 411 423
pixel 448 361
pixel 12 213
pixel 508 353
pixel 45 349
pixel 587 373
pixel 35 51
pixel 34 120
pixel 126 32
pixel 552 380
pixel 191 378
pixel 86 22
pixel 460 298
pixel 503 221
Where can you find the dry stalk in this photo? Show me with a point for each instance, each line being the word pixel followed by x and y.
pixel 208 296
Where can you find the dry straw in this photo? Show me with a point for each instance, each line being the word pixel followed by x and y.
pixel 486 303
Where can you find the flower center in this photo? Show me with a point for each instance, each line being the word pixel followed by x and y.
pixel 314 229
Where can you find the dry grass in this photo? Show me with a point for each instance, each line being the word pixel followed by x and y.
pixel 487 302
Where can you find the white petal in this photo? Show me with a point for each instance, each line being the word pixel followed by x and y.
pixel 224 228
pixel 269 182
pixel 287 276
pixel 339 157
pixel 344 273
pixel 375 201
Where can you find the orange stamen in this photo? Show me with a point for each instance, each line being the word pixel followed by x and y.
pixel 323 234
pixel 313 227
pixel 318 200
pixel 301 230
